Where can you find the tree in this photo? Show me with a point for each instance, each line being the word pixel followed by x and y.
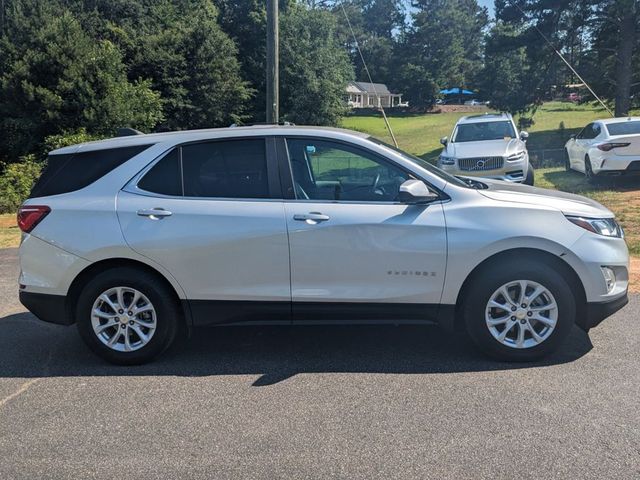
pixel 445 42
pixel 180 46
pixel 376 24
pixel 506 78
pixel 315 68
pixel 615 69
pixel 55 78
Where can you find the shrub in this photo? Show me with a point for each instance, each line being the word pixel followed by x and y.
pixel 16 181
pixel 52 142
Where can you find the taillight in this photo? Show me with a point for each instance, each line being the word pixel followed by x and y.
pixel 605 147
pixel 31 215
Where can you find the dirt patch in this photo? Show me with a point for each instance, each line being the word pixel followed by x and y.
pixel 8 221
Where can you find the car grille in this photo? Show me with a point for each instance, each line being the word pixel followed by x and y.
pixel 478 164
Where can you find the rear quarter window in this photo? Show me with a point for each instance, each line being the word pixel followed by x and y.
pixel 70 172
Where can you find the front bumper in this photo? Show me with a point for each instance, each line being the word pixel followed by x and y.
pixel 596 312
pixel 510 172
pixel 48 308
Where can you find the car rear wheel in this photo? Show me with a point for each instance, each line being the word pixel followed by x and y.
pixel 588 170
pixel 519 312
pixel 529 179
pixel 127 316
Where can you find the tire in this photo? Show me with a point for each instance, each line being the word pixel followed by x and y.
pixel 529 179
pixel 158 325
pixel 477 313
pixel 567 161
pixel 588 171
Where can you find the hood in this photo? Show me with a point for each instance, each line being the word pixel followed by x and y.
pixel 567 203
pixel 486 148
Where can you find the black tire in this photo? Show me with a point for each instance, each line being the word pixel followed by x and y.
pixel 529 179
pixel 567 161
pixel 490 280
pixel 588 171
pixel 162 297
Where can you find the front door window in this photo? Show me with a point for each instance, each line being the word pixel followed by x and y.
pixel 325 170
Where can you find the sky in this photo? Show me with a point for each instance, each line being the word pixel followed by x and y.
pixel 488 4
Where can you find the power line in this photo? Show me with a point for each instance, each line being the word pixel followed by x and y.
pixel 384 115
pixel 565 61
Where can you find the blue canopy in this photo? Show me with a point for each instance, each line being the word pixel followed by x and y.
pixel 456 91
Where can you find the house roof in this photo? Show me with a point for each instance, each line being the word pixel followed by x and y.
pixel 375 88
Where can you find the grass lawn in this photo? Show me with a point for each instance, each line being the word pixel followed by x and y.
pixel 420 135
pixel 9 231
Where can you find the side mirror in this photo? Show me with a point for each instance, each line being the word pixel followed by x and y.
pixel 415 191
pixel 524 135
pixel 573 136
pixel 444 141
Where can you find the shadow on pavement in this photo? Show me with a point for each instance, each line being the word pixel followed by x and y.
pixel 30 348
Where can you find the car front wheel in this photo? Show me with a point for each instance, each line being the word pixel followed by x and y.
pixel 529 178
pixel 519 312
pixel 127 316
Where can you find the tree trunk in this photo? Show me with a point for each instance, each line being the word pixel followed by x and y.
pixel 628 39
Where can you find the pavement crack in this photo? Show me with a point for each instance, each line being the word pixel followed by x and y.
pixel 23 388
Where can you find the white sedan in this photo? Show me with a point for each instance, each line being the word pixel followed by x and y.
pixel 605 147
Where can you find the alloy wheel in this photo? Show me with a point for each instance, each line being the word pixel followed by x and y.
pixel 521 314
pixel 123 319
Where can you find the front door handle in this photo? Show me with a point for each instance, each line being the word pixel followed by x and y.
pixel 311 218
pixel 154 213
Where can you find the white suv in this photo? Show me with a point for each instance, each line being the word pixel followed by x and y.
pixel 138 238
pixel 487 146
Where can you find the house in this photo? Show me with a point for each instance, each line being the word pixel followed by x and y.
pixel 372 95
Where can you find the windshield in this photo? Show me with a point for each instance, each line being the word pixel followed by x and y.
pixel 624 128
pixel 480 131
pixel 423 164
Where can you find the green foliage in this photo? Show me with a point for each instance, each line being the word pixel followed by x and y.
pixel 193 64
pixel 16 181
pixel 57 78
pixel 445 44
pixel 314 69
pixel 65 139
pixel 507 79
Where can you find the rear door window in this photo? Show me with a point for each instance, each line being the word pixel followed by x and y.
pixel 216 169
pixel 70 172
pixel 226 169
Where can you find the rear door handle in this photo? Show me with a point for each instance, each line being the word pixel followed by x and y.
pixel 311 218
pixel 154 213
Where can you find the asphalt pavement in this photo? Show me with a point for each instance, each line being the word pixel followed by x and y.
pixel 316 402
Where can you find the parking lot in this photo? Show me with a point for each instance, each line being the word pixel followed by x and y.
pixel 315 402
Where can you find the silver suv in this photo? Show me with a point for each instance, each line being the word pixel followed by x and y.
pixel 137 239
pixel 487 146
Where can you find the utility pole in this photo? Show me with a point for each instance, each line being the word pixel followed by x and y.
pixel 273 76
pixel 1 17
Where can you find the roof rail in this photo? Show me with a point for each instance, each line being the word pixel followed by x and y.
pixel 282 123
pixel 127 132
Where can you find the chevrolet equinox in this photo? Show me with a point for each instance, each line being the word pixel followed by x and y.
pixel 140 237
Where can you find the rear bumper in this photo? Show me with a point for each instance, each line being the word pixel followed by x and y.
pixel 48 308
pixel 617 167
pixel 596 312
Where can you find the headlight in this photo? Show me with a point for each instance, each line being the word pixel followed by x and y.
pixel 444 160
pixel 514 157
pixel 602 226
